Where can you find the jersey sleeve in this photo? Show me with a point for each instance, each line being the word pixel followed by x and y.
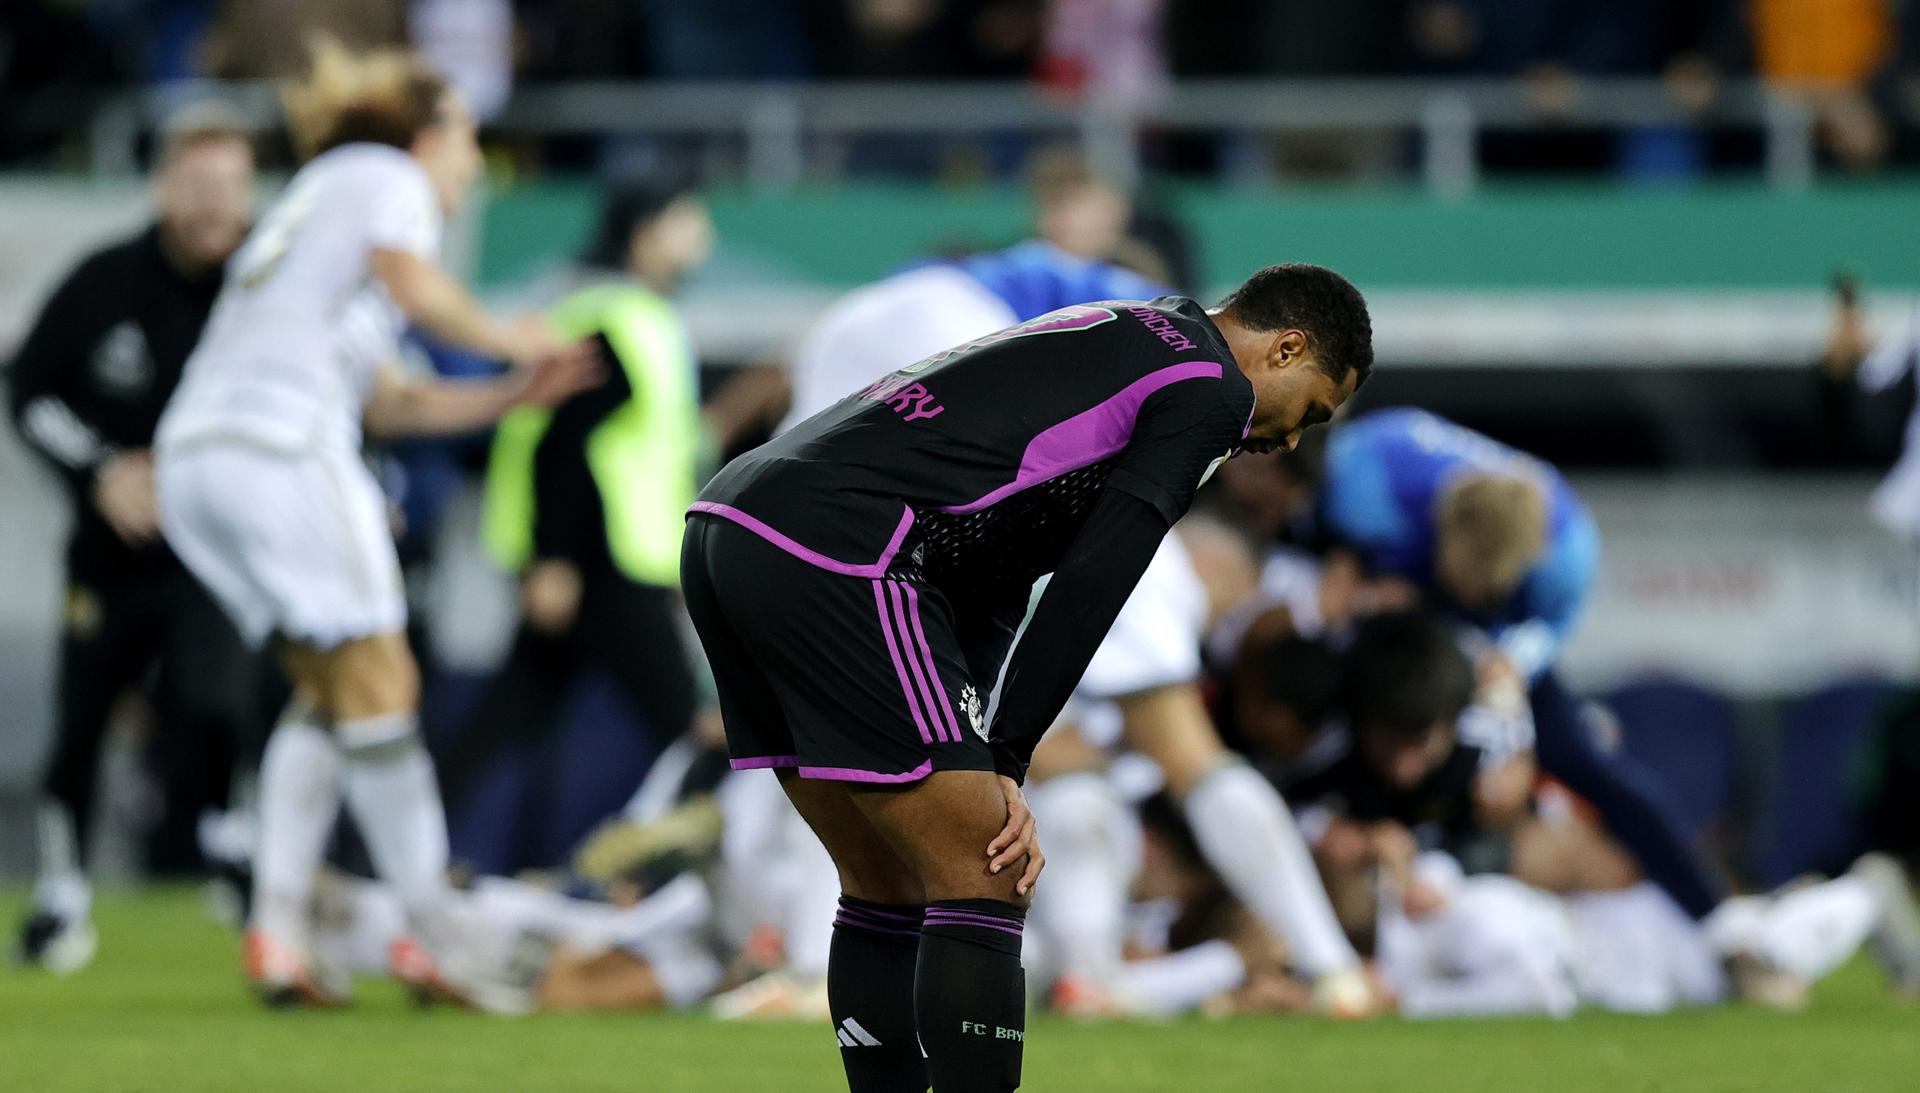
pixel 1552 599
pixel 1357 506
pixel 1093 581
pixel 401 212
pixel 47 372
pixel 1155 641
pixel 1184 431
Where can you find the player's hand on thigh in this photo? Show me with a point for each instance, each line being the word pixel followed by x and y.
pixel 1018 839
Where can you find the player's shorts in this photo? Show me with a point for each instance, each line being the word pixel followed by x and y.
pixel 843 678
pixel 295 544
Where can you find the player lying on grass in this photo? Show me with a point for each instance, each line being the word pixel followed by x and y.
pixel 263 494
pixel 542 949
pixel 1453 945
pixel 857 584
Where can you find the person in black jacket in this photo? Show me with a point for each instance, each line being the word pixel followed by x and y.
pixel 86 389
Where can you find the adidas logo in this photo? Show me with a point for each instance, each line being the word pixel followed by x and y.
pixel 852 1035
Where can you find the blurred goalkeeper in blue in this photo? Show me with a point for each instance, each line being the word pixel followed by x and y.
pixel 1499 540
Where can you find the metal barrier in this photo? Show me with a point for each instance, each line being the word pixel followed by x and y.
pixel 777 126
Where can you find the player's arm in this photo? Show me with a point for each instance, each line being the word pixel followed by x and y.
pixel 1551 600
pixel 49 369
pixel 1085 595
pixel 1180 432
pixel 47 373
pixel 402 408
pixel 1500 725
pixel 567 518
pixel 438 303
pixel 1359 519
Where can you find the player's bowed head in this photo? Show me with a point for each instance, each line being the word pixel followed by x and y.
pixel 1301 335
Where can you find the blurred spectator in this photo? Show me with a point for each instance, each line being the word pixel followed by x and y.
pixel 581 39
pixel 1828 51
pixel 470 42
pixel 725 40
pixel 887 39
pixel 587 502
pixel 1075 208
pixel 87 388
pixel 1108 50
pixel 50 56
pixel 1288 38
pixel 269 39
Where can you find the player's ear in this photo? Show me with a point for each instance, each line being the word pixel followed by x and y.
pixel 1288 348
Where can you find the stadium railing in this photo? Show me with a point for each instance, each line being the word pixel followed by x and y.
pixel 776 124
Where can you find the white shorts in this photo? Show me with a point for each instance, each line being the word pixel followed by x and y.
pixel 297 544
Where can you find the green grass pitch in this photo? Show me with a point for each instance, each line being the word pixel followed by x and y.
pixel 163 1010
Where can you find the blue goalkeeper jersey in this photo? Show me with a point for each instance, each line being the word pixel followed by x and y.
pixel 1384 477
pixel 1036 277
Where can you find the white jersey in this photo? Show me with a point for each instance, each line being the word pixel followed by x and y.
pixel 885 326
pixel 302 329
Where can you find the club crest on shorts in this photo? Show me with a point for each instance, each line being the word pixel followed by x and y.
pixel 970 705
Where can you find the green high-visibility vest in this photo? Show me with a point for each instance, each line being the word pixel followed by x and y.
pixel 644 457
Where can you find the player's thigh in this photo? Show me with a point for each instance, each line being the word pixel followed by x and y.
pixel 940 826
pixel 869 867
pixel 750 712
pixel 372 676
pixel 1170 725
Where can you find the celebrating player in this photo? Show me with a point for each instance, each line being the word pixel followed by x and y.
pixel 857 584
pixel 1499 540
pixel 263 495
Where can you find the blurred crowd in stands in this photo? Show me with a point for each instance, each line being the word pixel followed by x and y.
pixel 1852 60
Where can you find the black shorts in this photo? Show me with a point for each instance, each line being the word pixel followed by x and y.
pixel 845 678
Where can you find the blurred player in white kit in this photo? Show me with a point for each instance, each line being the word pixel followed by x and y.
pixel 1494 946
pixel 263 495
pixel 1141 692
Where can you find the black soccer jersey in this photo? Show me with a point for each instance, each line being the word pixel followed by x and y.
pixel 982 461
pixel 982 468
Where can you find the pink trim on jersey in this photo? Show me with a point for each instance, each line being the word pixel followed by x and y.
pixel 933 666
pixel 758 762
pixel 894 645
pixel 1090 436
pixel 916 662
pixel 806 554
pixel 851 774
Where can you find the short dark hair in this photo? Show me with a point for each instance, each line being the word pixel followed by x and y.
pixel 1405 673
pixel 204 122
pixel 1299 673
pixel 628 206
pixel 1316 300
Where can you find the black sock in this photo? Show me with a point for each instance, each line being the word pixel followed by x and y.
pixel 870 973
pixel 971 995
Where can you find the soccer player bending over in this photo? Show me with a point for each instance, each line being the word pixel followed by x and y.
pixel 262 493
pixel 858 582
